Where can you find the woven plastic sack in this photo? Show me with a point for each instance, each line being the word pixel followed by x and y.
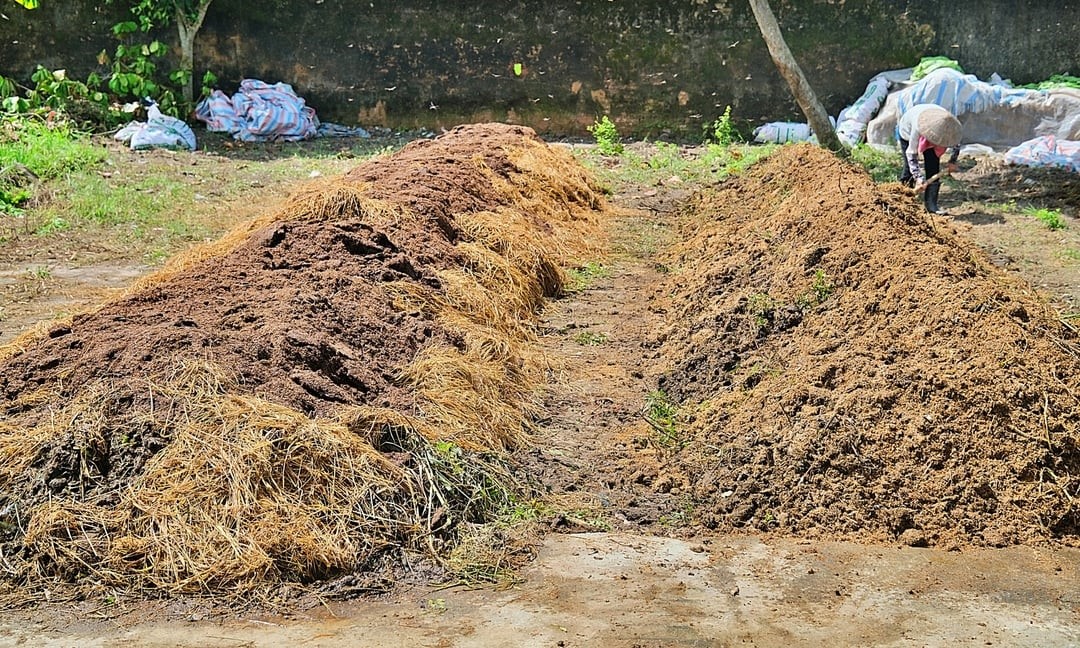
pixel 782 132
pixel 851 124
pixel 259 112
pixel 1046 151
pixel 159 131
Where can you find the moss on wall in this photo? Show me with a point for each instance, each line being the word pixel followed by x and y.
pixel 657 67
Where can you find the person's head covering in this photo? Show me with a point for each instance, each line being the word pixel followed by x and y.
pixel 939 127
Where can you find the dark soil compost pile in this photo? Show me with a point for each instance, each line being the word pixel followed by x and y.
pixel 335 383
pixel 849 368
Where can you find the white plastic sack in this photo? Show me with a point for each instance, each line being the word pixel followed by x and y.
pixel 1046 152
pixel 782 132
pixel 159 131
pixel 851 124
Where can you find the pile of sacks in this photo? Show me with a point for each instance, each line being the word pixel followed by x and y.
pixel 259 112
pixel 1034 127
pixel 263 112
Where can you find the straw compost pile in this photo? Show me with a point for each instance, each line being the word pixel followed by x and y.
pixel 316 394
pixel 862 372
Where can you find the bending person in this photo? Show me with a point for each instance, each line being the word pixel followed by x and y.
pixel 927 130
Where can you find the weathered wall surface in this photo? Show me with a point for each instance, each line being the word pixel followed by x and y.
pixel 656 66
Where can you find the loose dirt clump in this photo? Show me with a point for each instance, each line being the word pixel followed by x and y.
pixel 851 368
pixel 324 389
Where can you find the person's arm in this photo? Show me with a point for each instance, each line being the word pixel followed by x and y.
pixel 912 153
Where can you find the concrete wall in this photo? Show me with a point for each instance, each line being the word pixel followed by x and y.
pixel 658 67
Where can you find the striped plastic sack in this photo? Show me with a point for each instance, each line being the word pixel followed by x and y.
pixel 218 113
pixel 272 113
pixel 959 93
pixel 1047 151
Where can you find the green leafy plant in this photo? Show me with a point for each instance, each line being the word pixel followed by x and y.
pixel 54 89
pixel 209 80
pixel 821 288
pixel 724 132
pixel 822 285
pixel 7 88
pixel 760 306
pixel 134 72
pixel 662 414
pixel 1051 218
pixel 188 15
pixel 607 136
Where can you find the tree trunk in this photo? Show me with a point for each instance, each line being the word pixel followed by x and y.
pixel 789 69
pixel 187 27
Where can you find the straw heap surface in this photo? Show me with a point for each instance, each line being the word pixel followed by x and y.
pixel 330 385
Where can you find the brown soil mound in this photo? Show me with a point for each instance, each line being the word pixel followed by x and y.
pixel 864 373
pixel 333 383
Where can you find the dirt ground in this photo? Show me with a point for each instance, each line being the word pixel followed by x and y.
pixel 639 563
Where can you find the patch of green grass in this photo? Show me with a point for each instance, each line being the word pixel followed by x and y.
pixel 667 157
pixel 668 163
pixel 724 161
pixel 52 225
pixel 1000 208
pixel 760 306
pixel 589 338
pixel 1072 254
pixel 48 151
pixel 662 414
pixel 883 166
pixel 32 151
pixel 1051 218
pixel 680 517
pixel 585 275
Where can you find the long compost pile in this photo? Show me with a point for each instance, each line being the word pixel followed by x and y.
pixel 321 391
pixel 850 368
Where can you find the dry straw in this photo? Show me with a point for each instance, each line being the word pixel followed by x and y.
pixel 246 492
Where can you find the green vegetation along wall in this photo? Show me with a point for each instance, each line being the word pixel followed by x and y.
pixel 656 66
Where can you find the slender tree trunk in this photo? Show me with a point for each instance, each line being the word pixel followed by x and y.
pixel 187 27
pixel 792 73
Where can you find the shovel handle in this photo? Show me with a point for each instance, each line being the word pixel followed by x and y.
pixel 932 179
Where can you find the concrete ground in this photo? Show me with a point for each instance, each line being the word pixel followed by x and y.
pixel 625 591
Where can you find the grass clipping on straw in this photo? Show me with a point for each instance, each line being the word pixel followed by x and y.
pixel 247 494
